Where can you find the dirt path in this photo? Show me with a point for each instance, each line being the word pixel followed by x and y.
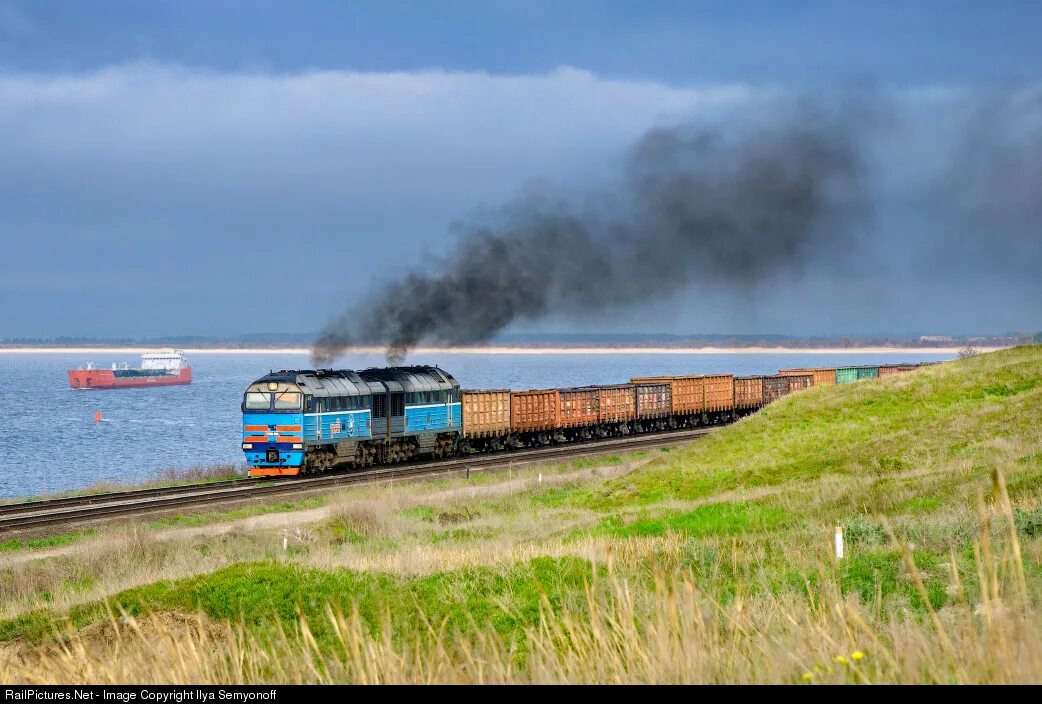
pixel 291 521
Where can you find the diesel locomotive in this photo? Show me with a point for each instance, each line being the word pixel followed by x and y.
pixel 306 421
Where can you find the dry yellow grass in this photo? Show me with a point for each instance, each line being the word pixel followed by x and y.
pixel 126 557
pixel 671 632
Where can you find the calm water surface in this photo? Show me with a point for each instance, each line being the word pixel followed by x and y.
pixel 50 442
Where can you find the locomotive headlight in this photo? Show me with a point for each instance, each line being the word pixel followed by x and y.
pixel 247 446
pixel 298 446
pixel 272 386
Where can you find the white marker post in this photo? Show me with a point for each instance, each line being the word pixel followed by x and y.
pixel 839 542
pixel 540 477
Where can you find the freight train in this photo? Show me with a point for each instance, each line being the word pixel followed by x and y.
pixel 308 421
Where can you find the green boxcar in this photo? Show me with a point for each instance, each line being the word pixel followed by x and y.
pixel 868 372
pixel 845 375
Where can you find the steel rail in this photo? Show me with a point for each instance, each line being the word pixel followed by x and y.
pixel 58 511
pixel 14 507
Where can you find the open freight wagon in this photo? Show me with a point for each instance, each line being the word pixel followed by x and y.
pixel 697 399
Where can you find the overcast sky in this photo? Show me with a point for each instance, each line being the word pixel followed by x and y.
pixel 232 167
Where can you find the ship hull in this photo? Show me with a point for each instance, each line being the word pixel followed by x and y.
pixel 107 379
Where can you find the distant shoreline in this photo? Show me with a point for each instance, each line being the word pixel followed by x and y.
pixel 510 350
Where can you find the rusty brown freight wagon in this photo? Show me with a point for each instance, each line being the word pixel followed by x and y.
pixel 578 407
pixel 748 392
pixel 616 404
pixel 719 391
pixel 798 382
pixel 820 377
pixel 486 413
pixel 774 387
pixel 687 392
pixel 533 411
pixel 654 399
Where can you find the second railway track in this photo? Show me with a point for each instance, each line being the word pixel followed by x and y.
pixel 31 515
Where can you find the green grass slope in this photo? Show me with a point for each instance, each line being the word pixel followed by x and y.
pixel 973 411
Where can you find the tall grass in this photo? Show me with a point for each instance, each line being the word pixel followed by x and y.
pixel 660 628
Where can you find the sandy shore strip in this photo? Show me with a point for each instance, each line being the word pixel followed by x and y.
pixel 933 351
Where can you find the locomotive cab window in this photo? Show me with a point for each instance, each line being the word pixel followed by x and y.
pixel 257 401
pixel 287 401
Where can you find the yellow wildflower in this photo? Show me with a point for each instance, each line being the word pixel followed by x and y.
pixel 808 676
pixel 857 655
pixel 840 659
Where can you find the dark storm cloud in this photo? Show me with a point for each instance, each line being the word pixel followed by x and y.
pixel 991 196
pixel 152 200
pixel 215 203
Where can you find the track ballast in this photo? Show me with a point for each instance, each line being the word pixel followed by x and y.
pixel 30 515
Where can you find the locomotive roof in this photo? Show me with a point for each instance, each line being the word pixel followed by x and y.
pixel 347 382
pixel 409 379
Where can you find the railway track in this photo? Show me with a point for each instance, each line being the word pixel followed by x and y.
pixel 32 515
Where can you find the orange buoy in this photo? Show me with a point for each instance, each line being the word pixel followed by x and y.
pixel 97 416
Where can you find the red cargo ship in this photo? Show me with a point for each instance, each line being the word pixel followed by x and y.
pixel 159 369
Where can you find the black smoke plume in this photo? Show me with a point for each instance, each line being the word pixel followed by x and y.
pixel 692 205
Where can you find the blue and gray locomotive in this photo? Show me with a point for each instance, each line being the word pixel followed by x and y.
pixel 306 421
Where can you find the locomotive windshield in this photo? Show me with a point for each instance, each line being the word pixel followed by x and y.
pixel 256 401
pixel 272 396
pixel 287 401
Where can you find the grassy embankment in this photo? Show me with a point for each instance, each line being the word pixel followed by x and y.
pixel 708 563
